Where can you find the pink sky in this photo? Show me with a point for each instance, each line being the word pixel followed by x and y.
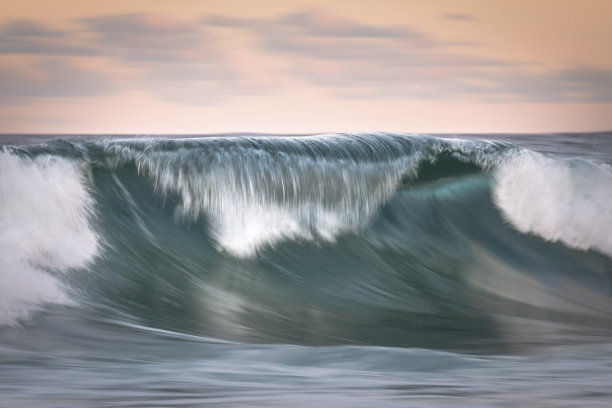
pixel 305 66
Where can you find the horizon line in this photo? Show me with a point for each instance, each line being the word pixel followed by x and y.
pixel 292 133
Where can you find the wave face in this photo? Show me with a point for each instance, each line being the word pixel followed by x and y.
pixel 382 239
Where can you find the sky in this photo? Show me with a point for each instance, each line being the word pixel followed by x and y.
pixel 290 66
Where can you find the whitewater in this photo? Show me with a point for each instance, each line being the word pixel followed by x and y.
pixel 351 270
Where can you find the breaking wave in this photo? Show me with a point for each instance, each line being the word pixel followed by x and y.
pixel 370 239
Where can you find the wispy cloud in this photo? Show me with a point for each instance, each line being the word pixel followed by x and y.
pixel 588 84
pixel 150 37
pixel 28 28
pixel 578 84
pixel 176 59
pixel 315 23
pixel 191 61
pixel 32 37
pixel 322 49
pixel 459 17
pixel 52 78
pixel 321 34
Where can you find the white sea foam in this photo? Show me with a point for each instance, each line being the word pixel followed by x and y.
pixel 565 200
pixel 259 200
pixel 309 188
pixel 45 211
pixel 313 201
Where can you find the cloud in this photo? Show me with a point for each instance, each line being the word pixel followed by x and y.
pixel 577 84
pixel 212 59
pixel 322 24
pixel 588 83
pixel 570 85
pixel 308 22
pixel 351 58
pixel 459 17
pixel 52 78
pixel 355 60
pixel 318 33
pixel 150 38
pixel 28 28
pixel 177 60
pixel 31 37
pixel 322 35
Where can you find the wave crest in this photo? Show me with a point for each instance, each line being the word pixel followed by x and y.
pixel 45 212
pixel 565 200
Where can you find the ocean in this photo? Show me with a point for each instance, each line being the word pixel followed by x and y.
pixel 337 270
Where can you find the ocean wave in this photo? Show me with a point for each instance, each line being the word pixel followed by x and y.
pixel 371 239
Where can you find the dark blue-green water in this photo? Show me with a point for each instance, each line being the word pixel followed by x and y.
pixel 334 270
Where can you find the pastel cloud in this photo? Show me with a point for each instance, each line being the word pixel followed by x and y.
pixel 149 37
pixel 28 28
pixel 373 62
pixel 588 84
pixel 463 17
pixel 319 34
pixel 24 36
pixel 203 61
pixel 52 78
pixel 312 22
pixel 360 60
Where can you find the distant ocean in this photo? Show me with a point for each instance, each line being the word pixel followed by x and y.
pixel 339 270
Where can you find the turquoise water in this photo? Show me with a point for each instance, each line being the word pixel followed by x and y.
pixel 333 270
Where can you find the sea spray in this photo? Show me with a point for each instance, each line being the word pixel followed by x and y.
pixel 45 219
pixel 566 200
